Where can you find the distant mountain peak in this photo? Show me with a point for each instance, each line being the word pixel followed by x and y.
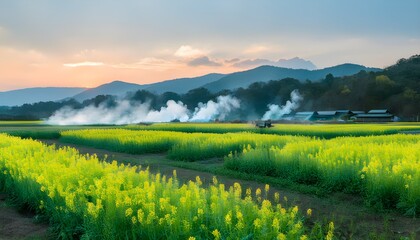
pixel 296 63
pixel 292 63
pixel 37 94
pixel 118 81
pixel 266 73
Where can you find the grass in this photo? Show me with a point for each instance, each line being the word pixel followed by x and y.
pixel 327 131
pixel 40 130
pixel 382 169
pixel 86 198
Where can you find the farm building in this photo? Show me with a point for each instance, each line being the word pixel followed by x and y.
pixel 326 116
pixel 344 115
pixel 288 117
pixel 379 111
pixel 304 116
pixel 357 112
pixel 376 115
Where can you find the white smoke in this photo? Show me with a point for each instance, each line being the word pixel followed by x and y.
pixel 275 112
pixel 215 110
pixel 126 112
pixel 173 111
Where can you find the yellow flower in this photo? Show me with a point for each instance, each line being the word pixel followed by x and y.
pixel 281 236
pixel 304 237
pixel 191 238
pixel 248 192
pixel 309 212
pixel 198 180
pixel 257 223
pixel 267 188
pixel 214 180
pixel 330 233
pixel 276 224
pixel 128 212
pixel 216 234
pixel 276 197
pixel 228 218
pixel 140 215
pixel 258 192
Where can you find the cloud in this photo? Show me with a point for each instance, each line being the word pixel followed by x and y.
pixel 203 61
pixel 86 53
pixel 149 64
pixel 233 60
pixel 144 64
pixel 186 51
pixel 84 64
pixel 256 49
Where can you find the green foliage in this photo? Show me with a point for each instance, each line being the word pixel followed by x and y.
pixel 384 80
pixel 312 130
pixel 181 146
pixel 383 169
pixel 85 198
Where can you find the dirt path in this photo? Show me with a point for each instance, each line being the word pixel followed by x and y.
pixel 14 225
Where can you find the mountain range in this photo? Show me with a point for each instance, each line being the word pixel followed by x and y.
pixel 32 95
pixel 214 82
pixel 267 73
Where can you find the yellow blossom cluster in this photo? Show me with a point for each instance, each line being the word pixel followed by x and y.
pixel 115 201
pixel 384 169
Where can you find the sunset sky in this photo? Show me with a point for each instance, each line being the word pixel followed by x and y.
pixel 90 42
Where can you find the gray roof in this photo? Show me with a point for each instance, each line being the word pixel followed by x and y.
pixel 326 113
pixel 305 113
pixel 358 112
pixel 379 111
pixel 368 115
pixel 343 111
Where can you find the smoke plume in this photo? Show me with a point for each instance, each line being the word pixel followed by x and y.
pixel 275 112
pixel 126 112
pixel 215 110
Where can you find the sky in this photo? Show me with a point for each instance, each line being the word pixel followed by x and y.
pixel 85 43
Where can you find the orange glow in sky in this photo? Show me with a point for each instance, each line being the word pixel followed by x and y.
pixel 88 43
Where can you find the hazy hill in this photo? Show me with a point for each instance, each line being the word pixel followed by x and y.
pixel 214 82
pixel 183 85
pixel 118 88
pixel 33 95
pixel 267 73
pixel 295 63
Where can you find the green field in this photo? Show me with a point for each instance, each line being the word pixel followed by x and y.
pixel 312 130
pixel 374 163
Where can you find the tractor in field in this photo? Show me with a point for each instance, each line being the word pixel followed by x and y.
pixel 263 124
